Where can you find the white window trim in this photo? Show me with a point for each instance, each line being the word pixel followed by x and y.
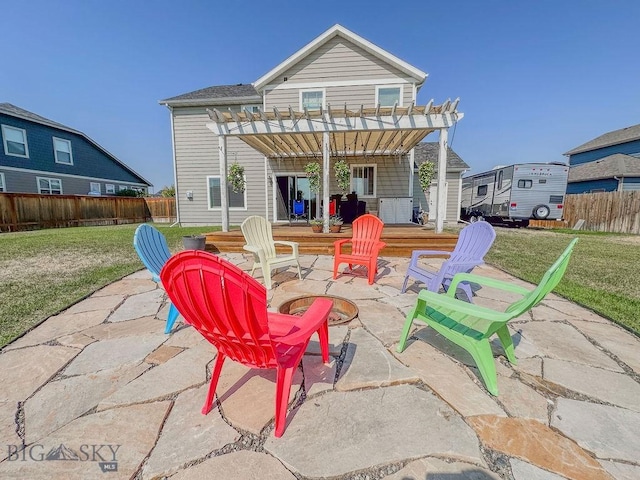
pixel 123 187
pixel 250 107
pixel 92 184
pixel 375 178
pixel 3 185
pixel 49 179
pixel 219 209
pixel 55 150
pixel 378 87
pixel 110 188
pixel 24 136
pixel 307 90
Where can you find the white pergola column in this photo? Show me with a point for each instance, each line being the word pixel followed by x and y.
pixel 412 164
pixel 325 181
pixel 224 199
pixel 441 195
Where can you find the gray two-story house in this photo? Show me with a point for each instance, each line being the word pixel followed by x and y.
pixel 46 157
pixel 338 98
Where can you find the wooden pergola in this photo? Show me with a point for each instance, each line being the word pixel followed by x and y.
pixel 336 132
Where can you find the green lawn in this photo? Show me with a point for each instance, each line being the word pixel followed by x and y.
pixel 43 272
pixel 602 274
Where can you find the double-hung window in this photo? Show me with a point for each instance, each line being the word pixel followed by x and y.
pixel 15 141
pixel 363 180
pixel 110 188
pixel 389 96
pixel 51 186
pixel 311 99
pixel 62 151
pixel 236 200
pixel 94 187
pixel 3 186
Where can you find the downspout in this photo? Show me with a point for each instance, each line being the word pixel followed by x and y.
pixel 620 183
pixel 175 168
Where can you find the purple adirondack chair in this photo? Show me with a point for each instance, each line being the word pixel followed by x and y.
pixel 474 242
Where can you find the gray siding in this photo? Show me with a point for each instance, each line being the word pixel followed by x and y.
pixel 337 61
pixel 25 182
pixel 454 179
pixel 197 157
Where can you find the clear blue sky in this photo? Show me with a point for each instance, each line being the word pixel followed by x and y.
pixel 535 78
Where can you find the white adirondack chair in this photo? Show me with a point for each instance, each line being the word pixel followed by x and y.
pixel 257 234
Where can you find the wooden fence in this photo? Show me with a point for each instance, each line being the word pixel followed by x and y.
pixel 26 211
pixel 617 212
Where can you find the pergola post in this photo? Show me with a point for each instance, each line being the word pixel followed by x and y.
pixel 325 181
pixel 441 197
pixel 224 199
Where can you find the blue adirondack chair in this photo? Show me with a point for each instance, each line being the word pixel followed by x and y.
pixel 153 250
pixel 474 242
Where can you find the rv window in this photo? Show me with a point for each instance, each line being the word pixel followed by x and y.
pixel 500 180
pixel 542 180
pixel 482 189
pixel 556 198
pixel 525 183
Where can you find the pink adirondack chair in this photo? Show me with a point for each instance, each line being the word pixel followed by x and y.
pixel 229 308
pixel 365 246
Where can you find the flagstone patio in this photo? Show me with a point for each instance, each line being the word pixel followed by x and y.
pixel 99 391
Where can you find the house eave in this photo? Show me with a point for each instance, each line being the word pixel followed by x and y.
pixel 339 30
pixel 207 102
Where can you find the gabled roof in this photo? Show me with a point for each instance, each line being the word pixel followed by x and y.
pixel 17 112
pixel 217 95
pixel 617 165
pixel 428 151
pixel 340 31
pixel 624 135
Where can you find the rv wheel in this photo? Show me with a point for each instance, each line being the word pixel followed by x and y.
pixel 541 212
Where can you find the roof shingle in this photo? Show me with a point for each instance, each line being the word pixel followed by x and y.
pixel 428 151
pixel 624 135
pixel 617 165
pixel 217 93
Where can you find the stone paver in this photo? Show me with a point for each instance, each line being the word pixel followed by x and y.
pixel 351 431
pixel 114 352
pixel 140 304
pixel 188 435
pixel 124 436
pixel 448 380
pixel 437 469
pixel 23 371
pixel 242 464
pixel 611 387
pixel 104 373
pixel 537 444
pixel 597 434
pixel 367 364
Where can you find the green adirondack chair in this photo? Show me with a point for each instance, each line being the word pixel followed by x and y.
pixel 470 326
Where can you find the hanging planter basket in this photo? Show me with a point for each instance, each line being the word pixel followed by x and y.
pixel 236 178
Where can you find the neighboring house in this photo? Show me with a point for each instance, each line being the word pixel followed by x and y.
pixel 42 156
pixel 428 151
pixel 339 97
pixel 608 163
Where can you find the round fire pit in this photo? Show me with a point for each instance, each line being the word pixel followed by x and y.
pixel 343 310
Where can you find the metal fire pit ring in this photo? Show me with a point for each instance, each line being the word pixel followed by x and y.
pixel 343 310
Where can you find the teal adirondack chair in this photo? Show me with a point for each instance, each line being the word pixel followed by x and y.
pixel 470 326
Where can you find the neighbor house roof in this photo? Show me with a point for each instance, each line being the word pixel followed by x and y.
pixel 624 135
pixel 217 95
pixel 617 165
pixel 17 112
pixel 428 151
pixel 340 31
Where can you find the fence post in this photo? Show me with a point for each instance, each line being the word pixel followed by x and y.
pixel 14 212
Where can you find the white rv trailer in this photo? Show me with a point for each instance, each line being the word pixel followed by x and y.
pixel 515 194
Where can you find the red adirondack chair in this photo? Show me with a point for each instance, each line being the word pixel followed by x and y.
pixel 229 308
pixel 365 246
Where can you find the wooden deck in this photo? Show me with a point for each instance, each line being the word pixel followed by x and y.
pixel 401 240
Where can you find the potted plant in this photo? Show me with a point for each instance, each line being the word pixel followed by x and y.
pixel 312 169
pixel 316 225
pixel 235 177
pixel 335 223
pixel 194 242
pixel 426 172
pixel 343 176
